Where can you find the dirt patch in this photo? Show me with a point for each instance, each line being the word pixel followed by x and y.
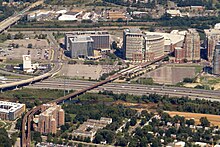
pixel 214 119
pixel 137 106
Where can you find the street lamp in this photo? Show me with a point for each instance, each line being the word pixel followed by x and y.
pixel 64 85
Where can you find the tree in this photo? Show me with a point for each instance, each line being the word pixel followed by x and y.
pixel 18 124
pixel 67 117
pixel 29 45
pixel 36 136
pixel 143 121
pixel 98 138
pixel 4 139
pixel 204 122
pixel 190 122
pixel 188 80
pixel 133 121
pixel 121 141
pixel 9 36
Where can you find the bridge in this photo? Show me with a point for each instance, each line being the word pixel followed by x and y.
pixel 26 122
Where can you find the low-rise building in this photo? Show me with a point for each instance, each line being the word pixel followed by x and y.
pixel 89 128
pixel 10 110
pixel 174 13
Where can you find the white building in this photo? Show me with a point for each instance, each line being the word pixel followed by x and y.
pixel 174 13
pixel 70 16
pixel 10 110
pixel 37 14
pixel 27 67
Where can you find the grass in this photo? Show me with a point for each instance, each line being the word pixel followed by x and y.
pixel 2 124
pixel 72 116
pixel 198 68
pixel 210 80
pixel 14 61
pixel 70 2
pixel 27 93
pixel 95 97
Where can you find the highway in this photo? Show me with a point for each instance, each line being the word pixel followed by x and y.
pixel 136 89
pixel 5 24
pixel 25 132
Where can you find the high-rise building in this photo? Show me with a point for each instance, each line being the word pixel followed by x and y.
pixel 27 63
pixel 140 46
pixel 101 38
pixel 192 45
pixel 81 46
pixel 133 44
pixel 212 38
pixel 216 60
pixel 50 119
pixel 153 47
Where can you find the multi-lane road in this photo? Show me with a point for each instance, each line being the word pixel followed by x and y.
pixel 136 89
pixel 16 17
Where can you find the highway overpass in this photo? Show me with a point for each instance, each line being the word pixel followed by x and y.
pixel 136 89
pixel 5 24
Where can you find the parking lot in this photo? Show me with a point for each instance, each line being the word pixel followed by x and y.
pixel 14 49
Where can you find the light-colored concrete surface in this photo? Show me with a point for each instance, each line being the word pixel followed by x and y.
pixel 82 71
pixel 171 75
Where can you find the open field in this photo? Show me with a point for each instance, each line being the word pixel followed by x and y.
pixel 214 119
pixel 31 94
pixel 171 74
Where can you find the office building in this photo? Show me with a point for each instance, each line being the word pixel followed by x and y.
pixel 191 45
pixel 50 119
pixel 142 46
pixel 90 127
pixel 101 38
pixel 216 60
pixel 27 63
pixel 153 47
pixel 10 110
pixel 171 40
pixel 81 47
pixel 133 43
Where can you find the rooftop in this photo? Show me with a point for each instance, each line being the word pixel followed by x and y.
pixel 133 30
pixel 170 38
pixel 82 38
pixel 9 106
pixel 50 110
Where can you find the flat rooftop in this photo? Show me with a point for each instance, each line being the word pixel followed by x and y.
pixel 7 107
pixel 133 30
pixel 81 38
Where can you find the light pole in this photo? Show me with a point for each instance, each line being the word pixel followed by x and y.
pixel 64 85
